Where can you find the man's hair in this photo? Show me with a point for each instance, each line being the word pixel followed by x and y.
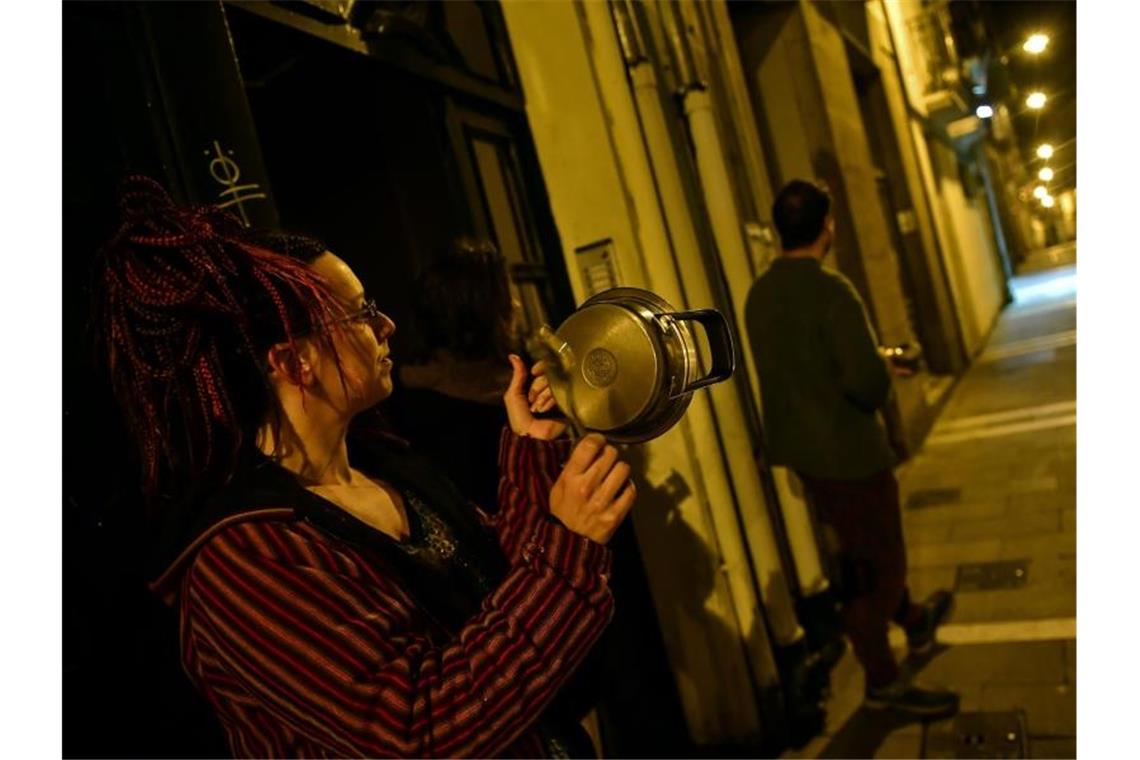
pixel 799 212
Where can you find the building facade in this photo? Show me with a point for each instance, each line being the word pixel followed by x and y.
pixel 598 144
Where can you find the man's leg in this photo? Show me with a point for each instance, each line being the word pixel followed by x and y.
pixel 870 551
pixel 908 613
pixel 919 620
pixel 866 518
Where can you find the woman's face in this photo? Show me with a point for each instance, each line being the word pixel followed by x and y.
pixel 361 343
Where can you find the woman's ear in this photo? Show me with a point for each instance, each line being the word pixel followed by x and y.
pixel 290 364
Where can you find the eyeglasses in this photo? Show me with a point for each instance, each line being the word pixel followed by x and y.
pixel 368 313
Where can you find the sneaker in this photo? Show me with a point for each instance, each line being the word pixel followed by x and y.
pixel 920 637
pixel 912 699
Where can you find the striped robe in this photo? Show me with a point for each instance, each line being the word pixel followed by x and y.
pixel 305 647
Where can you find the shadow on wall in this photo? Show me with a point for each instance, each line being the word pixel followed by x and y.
pixel 705 650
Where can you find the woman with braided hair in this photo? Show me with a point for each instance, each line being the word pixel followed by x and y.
pixel 342 598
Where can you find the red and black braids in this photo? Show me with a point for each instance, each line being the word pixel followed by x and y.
pixel 187 304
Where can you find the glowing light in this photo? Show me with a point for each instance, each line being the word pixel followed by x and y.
pixel 1053 284
pixel 1048 201
pixel 984 112
pixel 1040 192
pixel 1045 150
pixel 1036 43
pixel 1036 100
pixel 1045 175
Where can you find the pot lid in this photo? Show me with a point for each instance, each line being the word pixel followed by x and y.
pixel 615 371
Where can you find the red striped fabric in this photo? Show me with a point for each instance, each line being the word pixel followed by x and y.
pixel 306 648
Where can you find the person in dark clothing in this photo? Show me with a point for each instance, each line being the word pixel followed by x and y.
pixel 337 598
pixel 823 382
pixel 449 392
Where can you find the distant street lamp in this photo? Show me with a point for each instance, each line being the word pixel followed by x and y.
pixel 1045 151
pixel 984 112
pixel 1048 201
pixel 1036 100
pixel 1046 174
pixel 1036 43
pixel 1040 193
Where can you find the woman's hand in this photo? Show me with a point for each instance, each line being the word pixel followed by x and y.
pixel 522 404
pixel 594 493
pixel 540 396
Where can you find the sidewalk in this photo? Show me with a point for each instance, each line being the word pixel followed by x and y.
pixel 989 509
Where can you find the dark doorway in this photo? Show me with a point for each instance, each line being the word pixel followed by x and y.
pixel 387 166
pixel 917 278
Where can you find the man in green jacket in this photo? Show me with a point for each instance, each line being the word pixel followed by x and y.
pixel 823 380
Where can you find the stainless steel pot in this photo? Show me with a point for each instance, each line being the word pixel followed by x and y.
pixel 625 364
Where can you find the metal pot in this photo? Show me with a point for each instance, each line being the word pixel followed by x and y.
pixel 625 364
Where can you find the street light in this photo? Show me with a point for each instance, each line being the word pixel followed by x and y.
pixel 1048 201
pixel 1036 100
pixel 1040 193
pixel 1036 43
pixel 1046 174
pixel 1045 151
pixel 984 112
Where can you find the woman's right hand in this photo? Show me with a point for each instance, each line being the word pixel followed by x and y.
pixel 522 404
pixel 593 494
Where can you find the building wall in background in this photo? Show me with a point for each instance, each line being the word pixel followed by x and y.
pixel 974 272
pixel 1067 203
pixel 961 218
pixel 941 332
pixel 811 121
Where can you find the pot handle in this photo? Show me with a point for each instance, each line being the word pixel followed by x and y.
pixel 720 345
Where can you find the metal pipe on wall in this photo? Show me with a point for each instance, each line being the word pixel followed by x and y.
pixel 728 233
pixel 736 722
pixel 662 275
pixel 798 524
pixel 798 520
pixel 725 413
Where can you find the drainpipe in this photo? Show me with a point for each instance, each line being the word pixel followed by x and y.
pixel 727 231
pixel 797 521
pixel 801 532
pixel 719 464
pixel 726 412
pixel 803 664
pixel 724 416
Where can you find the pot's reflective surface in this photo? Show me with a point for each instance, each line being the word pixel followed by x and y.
pixel 625 363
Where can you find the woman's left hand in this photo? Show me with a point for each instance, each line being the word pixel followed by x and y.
pixel 523 403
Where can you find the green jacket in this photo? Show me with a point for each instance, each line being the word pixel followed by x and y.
pixel 822 380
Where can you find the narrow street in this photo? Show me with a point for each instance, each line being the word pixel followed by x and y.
pixel 989 510
pixel 647 189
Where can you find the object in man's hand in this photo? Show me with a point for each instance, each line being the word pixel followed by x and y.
pixel 905 359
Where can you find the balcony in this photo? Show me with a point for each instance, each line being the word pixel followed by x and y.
pixel 929 60
pixel 936 65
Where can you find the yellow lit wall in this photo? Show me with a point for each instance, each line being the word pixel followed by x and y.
pixel 569 63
